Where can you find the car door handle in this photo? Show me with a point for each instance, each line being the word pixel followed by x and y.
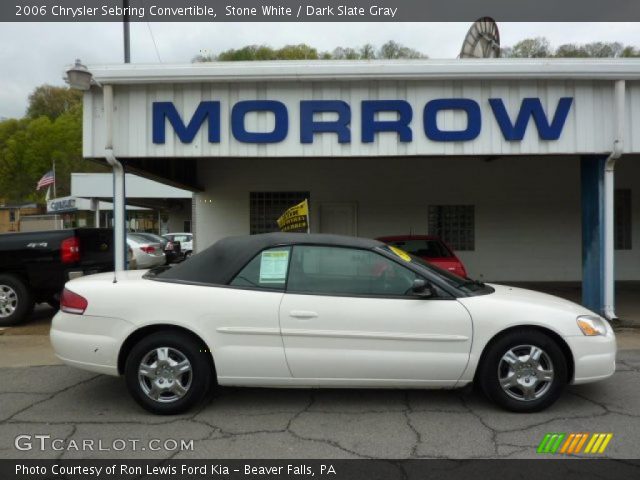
pixel 302 314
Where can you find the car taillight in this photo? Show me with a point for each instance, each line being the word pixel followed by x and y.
pixel 70 250
pixel 148 248
pixel 71 302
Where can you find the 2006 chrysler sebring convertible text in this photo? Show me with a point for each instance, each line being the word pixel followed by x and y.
pixel 285 310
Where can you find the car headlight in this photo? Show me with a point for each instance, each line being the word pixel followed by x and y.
pixel 592 325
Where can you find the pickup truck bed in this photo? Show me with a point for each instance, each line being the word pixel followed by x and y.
pixel 34 266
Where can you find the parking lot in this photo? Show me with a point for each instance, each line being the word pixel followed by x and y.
pixel 47 398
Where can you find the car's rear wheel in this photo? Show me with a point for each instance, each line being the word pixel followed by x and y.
pixel 16 301
pixel 523 371
pixel 168 372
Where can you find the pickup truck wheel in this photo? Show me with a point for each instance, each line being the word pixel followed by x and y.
pixel 16 301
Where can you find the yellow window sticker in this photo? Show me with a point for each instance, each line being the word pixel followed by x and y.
pixel 401 253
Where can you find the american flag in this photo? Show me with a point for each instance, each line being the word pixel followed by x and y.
pixel 48 178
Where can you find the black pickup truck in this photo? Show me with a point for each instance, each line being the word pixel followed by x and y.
pixel 34 266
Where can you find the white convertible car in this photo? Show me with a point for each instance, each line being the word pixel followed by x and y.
pixel 299 310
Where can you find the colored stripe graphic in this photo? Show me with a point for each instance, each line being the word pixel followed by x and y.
pixel 582 442
pixel 572 443
pixel 551 442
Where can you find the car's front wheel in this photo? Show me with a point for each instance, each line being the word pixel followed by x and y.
pixel 168 372
pixel 523 371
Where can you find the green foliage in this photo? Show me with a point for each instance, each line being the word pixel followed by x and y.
pixel 529 48
pixel 264 52
pixel 393 50
pixel 630 51
pixel 50 101
pixel 51 131
pixel 302 51
pixel 540 48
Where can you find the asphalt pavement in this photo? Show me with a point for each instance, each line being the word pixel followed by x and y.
pixel 74 406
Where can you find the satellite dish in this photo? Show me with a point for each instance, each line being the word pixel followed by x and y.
pixel 482 40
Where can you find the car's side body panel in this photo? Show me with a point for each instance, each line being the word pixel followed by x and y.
pixel 382 339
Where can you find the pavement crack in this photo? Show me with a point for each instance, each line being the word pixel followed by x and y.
pixel 46 399
pixel 407 412
pixel 332 443
pixel 494 432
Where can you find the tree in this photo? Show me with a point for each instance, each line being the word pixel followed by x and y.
pixel 393 50
pixel 347 53
pixel 297 52
pixel 367 52
pixel 530 48
pixel 603 49
pixel 50 101
pixel 540 48
pixel 571 50
pixel 261 52
pixel 29 146
pixel 630 51
pixel 303 51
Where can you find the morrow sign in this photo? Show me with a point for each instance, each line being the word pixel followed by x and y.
pixel 549 125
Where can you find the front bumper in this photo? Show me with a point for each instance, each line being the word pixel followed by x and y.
pixel 594 357
pixel 88 342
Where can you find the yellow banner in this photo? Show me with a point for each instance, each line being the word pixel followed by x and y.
pixel 295 219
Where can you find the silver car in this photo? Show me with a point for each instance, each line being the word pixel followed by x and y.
pixel 146 253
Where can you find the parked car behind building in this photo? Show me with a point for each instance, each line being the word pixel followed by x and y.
pixel 172 250
pixel 429 248
pixel 185 239
pixel 147 253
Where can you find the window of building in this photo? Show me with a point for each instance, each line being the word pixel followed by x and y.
pixel 266 207
pixel 267 270
pixel 622 218
pixel 455 224
pixel 186 226
pixel 347 271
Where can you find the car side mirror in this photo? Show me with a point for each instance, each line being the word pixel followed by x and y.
pixel 421 288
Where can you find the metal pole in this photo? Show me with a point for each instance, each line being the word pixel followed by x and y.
pixel 54 179
pixel 609 198
pixel 119 212
pixel 126 31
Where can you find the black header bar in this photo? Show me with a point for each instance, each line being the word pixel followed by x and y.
pixel 320 10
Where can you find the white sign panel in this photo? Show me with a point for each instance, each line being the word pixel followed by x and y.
pixel 363 118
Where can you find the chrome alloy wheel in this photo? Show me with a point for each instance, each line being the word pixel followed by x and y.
pixel 165 374
pixel 8 301
pixel 525 373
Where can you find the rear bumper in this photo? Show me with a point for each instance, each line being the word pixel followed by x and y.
pixel 594 357
pixel 87 342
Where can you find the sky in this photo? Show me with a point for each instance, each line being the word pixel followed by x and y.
pixel 37 53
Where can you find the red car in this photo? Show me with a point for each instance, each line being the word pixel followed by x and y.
pixel 431 249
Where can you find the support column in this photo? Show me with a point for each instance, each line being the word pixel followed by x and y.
pixel 593 241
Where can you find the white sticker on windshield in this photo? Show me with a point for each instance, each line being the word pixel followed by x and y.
pixel 273 266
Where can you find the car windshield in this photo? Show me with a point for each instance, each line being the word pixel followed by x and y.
pixel 425 248
pixel 450 278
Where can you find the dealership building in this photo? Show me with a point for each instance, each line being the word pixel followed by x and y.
pixel 528 168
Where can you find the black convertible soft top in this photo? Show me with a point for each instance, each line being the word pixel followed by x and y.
pixel 219 263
